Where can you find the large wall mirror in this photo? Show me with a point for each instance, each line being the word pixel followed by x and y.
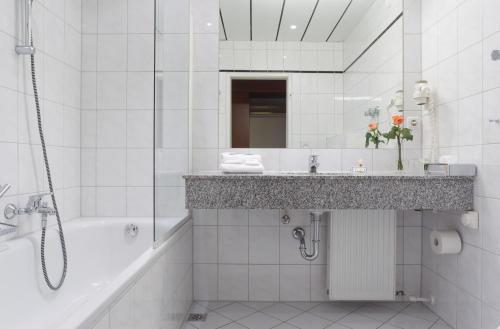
pixel 308 73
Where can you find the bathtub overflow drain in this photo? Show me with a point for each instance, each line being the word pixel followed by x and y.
pixel 132 230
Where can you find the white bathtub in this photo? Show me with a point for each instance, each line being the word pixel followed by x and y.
pixel 103 263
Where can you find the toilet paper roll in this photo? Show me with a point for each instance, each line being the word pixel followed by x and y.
pixel 445 242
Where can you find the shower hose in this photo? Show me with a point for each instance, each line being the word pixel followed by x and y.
pixel 51 189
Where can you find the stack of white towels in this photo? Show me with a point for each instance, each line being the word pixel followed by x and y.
pixel 241 163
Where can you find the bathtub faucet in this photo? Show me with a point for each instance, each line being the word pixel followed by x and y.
pixel 34 205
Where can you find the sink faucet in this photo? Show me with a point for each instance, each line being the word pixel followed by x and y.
pixel 313 164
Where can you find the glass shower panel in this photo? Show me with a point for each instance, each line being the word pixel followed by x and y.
pixel 171 112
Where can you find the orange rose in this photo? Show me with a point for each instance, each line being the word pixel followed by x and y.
pixel 397 119
pixel 372 126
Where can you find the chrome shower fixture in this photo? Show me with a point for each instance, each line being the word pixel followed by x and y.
pixel 373 112
pixel 26 47
pixel 4 189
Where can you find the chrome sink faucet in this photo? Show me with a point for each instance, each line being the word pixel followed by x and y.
pixel 313 164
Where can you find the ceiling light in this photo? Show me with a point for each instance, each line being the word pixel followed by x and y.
pixel 209 24
pixel 293 27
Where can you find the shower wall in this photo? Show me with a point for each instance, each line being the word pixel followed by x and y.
pixel 57 37
pixel 117 107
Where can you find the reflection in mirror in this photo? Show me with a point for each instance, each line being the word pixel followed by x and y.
pixel 342 61
pixel 258 113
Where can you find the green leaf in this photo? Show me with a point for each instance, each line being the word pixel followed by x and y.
pixel 406 134
pixel 367 139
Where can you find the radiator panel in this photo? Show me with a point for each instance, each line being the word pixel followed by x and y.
pixel 362 255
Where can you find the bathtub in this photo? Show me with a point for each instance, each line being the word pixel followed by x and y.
pixel 105 263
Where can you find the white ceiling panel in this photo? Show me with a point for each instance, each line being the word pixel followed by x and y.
pixel 325 17
pixel 356 11
pixel 265 19
pixel 236 16
pixel 295 14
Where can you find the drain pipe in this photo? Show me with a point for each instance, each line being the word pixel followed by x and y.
pixel 299 233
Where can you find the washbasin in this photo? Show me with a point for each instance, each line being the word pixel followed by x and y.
pixel 321 173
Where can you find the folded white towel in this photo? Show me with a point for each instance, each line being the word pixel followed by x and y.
pixel 241 169
pixel 230 157
pixel 253 162
pixel 233 161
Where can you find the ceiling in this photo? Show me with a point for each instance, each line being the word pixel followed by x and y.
pixel 290 20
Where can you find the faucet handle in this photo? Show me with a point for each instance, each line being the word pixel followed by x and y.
pixel 34 200
pixel 4 189
pixel 313 159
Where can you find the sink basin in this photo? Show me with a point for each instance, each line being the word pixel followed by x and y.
pixel 321 173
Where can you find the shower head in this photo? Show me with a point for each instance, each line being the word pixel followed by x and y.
pixel 26 48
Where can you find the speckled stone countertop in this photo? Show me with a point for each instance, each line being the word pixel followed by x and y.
pixel 272 190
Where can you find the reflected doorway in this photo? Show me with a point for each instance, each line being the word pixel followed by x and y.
pixel 258 113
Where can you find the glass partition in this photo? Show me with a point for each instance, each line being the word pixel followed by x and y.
pixel 171 114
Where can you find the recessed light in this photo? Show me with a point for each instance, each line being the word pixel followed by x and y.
pixel 209 24
pixel 293 27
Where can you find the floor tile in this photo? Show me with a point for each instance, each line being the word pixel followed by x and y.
pixel 285 325
pixel 329 311
pixel 213 305
pixel 198 308
pixel 188 326
pixel 282 311
pixel 258 305
pixel 337 326
pixel 304 306
pixel 312 315
pixel 259 321
pixel 396 306
pixel 420 311
pixel 388 326
pixel 376 312
pixel 441 325
pixel 356 321
pixel 213 321
pixel 409 322
pixel 350 306
pixel 233 325
pixel 309 321
pixel 235 311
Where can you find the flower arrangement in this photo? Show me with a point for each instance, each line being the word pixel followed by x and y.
pixel 373 135
pixel 397 132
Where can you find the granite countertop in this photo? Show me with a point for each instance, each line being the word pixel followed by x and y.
pixel 320 175
pixel 301 190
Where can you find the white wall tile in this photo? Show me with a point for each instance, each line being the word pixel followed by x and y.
pixel 140 54
pixel 233 244
pixel 205 244
pixel 264 282
pixel 294 282
pixel 264 245
pixel 233 282
pixel 139 16
pixel 111 167
pixel 112 16
pixel 108 45
pixel 205 281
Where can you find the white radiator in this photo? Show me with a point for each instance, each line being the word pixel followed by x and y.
pixel 362 255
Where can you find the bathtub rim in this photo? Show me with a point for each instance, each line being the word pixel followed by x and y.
pixel 92 311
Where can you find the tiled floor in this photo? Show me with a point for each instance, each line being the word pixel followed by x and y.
pixel 303 315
